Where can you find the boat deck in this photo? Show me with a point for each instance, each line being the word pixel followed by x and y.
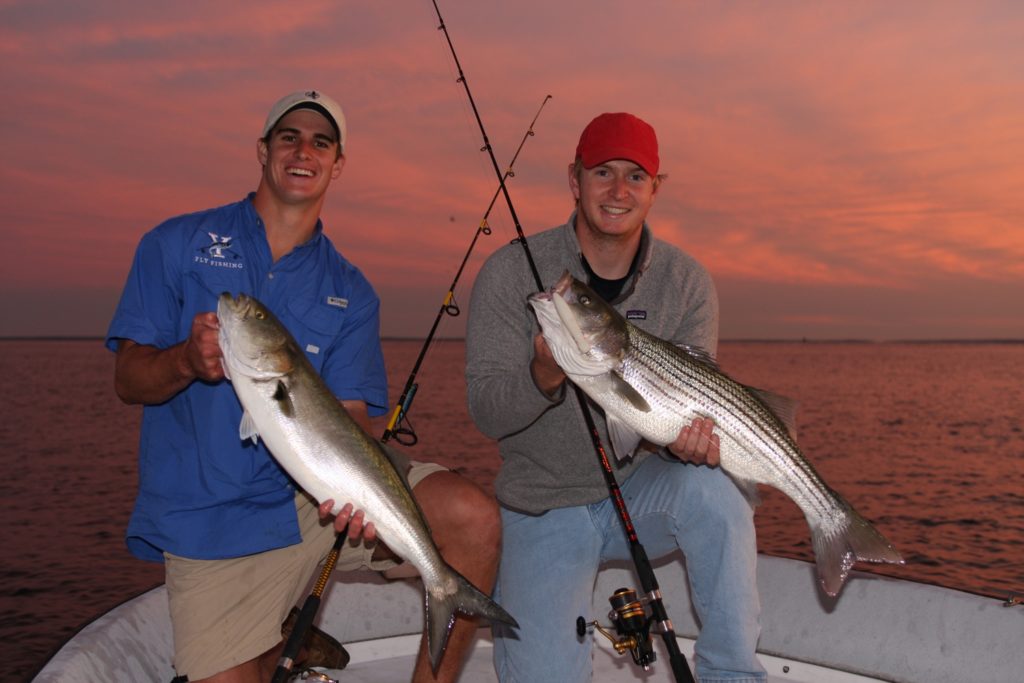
pixel 390 660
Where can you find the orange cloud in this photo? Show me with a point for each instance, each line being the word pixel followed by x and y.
pixel 869 147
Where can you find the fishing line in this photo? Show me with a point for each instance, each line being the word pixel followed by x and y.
pixel 645 572
pixel 406 435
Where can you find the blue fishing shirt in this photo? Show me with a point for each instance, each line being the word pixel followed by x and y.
pixel 203 492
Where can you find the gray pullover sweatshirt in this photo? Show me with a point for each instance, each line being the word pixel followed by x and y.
pixel 548 458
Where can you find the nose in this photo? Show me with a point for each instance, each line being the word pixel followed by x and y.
pixel 304 150
pixel 620 189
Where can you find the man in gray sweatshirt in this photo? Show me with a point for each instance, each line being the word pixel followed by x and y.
pixel 558 522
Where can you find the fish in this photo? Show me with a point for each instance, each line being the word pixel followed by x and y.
pixel 310 434
pixel 649 389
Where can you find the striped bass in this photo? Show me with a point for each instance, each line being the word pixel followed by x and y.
pixel 650 389
pixel 314 439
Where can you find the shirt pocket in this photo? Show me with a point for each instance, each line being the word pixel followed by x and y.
pixel 316 326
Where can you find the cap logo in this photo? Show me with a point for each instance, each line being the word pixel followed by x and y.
pixel 313 94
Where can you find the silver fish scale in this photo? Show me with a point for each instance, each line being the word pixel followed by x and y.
pixel 755 445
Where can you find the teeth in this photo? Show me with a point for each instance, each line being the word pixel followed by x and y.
pixel 300 171
pixel 615 210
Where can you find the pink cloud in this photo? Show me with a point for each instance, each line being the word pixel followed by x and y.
pixel 871 145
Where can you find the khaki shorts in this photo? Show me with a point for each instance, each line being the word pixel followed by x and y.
pixel 226 612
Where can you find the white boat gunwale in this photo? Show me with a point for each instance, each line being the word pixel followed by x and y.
pixel 879 628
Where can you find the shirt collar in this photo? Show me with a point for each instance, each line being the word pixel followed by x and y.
pixel 256 223
pixel 642 260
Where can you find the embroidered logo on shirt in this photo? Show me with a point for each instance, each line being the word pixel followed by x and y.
pixel 636 315
pixel 312 348
pixel 218 245
pixel 337 301
pixel 219 252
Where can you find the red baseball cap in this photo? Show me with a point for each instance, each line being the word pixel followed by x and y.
pixel 619 136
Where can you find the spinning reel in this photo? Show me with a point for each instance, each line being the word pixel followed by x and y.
pixel 314 675
pixel 632 625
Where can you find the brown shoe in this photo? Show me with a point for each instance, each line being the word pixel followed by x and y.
pixel 320 649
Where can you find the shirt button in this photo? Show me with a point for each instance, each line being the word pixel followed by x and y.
pixel 270 276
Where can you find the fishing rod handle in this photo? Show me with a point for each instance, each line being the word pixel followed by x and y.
pixel 295 639
pixel 649 584
pixel 308 613
pixel 680 669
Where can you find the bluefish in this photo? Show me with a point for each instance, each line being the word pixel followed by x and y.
pixel 306 429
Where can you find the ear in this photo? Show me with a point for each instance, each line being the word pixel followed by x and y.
pixel 261 151
pixel 339 164
pixel 574 182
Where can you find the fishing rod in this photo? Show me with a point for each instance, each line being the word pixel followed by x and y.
pixel 306 615
pixel 648 581
pixel 407 435
pixel 487 145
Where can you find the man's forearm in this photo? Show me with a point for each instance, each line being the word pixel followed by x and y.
pixel 147 375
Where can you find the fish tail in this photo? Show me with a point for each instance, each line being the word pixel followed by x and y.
pixel 853 539
pixel 441 607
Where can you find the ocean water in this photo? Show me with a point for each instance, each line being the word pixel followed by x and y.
pixel 926 440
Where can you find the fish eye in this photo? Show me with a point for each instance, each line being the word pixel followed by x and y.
pixel 584 299
pixel 260 315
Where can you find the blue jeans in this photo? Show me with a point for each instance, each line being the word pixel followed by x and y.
pixel 549 566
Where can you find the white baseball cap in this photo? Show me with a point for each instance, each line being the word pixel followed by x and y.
pixel 309 99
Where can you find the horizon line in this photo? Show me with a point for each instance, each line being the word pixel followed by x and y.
pixel 726 340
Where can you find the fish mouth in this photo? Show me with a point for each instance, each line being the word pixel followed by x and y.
pixel 226 303
pixel 555 310
pixel 561 288
pixel 562 296
pixel 227 300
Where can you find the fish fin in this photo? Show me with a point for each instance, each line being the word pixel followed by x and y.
pixel 855 539
pixel 782 407
pixel 624 439
pixel 247 428
pixel 700 355
pixel 402 464
pixel 284 399
pixel 399 460
pixel 748 487
pixel 440 608
pixel 625 390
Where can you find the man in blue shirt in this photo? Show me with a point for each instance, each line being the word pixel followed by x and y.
pixel 238 540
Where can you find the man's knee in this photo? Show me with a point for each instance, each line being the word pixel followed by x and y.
pixel 459 511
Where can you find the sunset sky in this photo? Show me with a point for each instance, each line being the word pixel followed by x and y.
pixel 843 169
